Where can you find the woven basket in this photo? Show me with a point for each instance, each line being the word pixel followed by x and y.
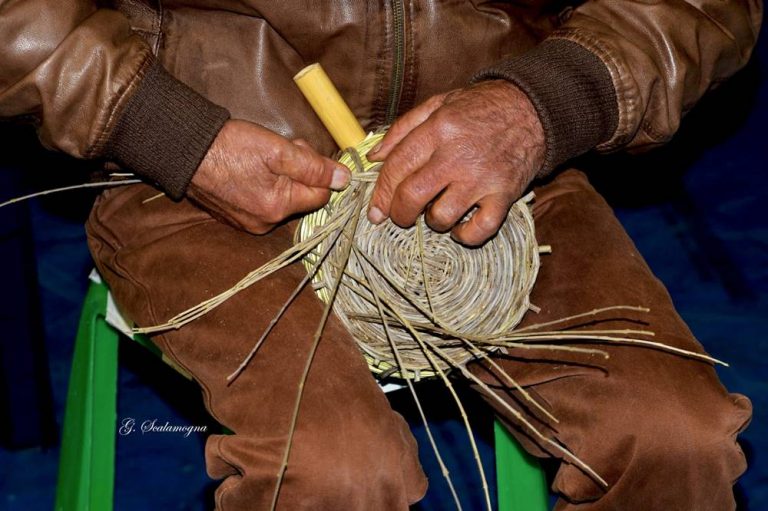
pixel 473 291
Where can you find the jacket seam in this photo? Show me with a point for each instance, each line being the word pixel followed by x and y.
pixel 627 93
pixel 160 20
pixel 655 135
pixel 117 105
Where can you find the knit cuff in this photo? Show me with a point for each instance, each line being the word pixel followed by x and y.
pixel 572 92
pixel 164 131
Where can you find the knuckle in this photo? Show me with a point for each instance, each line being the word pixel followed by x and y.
pixel 401 218
pixel 293 159
pixel 292 156
pixel 436 101
pixel 313 170
pixel 395 128
pixel 275 159
pixel 447 125
pixel 487 224
pixel 272 210
pixel 383 191
pixel 405 210
pixel 441 218
pixel 408 194
pixel 271 216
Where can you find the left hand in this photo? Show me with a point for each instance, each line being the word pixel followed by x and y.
pixel 480 146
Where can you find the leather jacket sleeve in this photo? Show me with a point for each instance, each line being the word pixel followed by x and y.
pixel 620 74
pixel 663 56
pixel 616 74
pixel 68 66
pixel 84 78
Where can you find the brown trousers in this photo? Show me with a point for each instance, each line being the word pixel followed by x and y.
pixel 660 428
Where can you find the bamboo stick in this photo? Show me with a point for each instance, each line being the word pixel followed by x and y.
pixel 329 106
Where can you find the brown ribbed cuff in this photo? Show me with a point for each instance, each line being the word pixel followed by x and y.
pixel 572 92
pixel 164 131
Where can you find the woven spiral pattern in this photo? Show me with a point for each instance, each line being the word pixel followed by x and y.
pixel 478 292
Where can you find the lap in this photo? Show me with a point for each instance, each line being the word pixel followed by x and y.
pixel 160 258
pixel 638 401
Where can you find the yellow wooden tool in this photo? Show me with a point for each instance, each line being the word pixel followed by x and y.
pixel 329 106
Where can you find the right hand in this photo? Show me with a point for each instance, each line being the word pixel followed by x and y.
pixel 252 178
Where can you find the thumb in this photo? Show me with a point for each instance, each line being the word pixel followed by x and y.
pixel 303 199
pixel 301 163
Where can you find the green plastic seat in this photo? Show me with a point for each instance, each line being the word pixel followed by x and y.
pixel 87 462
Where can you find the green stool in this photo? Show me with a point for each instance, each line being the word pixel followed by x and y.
pixel 87 463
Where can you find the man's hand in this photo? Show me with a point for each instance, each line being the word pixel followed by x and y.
pixel 480 146
pixel 253 178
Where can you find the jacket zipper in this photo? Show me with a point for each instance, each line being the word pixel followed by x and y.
pixel 398 66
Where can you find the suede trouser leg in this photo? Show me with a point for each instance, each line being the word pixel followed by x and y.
pixel 350 450
pixel 660 428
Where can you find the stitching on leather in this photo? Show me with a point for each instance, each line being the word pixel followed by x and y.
pixel 160 20
pixel 655 135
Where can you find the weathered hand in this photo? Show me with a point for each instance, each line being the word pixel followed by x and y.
pixel 252 178
pixel 480 146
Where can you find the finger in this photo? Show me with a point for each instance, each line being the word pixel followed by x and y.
pixel 415 192
pixel 403 126
pixel 484 223
pixel 410 155
pixel 304 165
pixel 301 143
pixel 449 208
pixel 306 198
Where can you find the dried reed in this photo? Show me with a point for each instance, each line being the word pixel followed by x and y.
pixel 101 184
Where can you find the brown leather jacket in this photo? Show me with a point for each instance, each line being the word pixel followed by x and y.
pixel 73 66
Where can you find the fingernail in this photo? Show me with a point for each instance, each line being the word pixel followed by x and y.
pixel 375 149
pixel 375 216
pixel 340 178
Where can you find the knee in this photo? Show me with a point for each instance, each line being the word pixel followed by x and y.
pixel 703 446
pixel 363 481
pixel 692 460
pixel 348 470
pixel 358 474
pixel 675 454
